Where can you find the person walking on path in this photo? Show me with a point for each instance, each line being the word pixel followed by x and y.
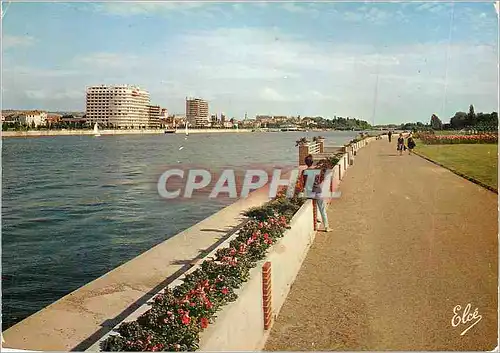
pixel 316 189
pixel 411 144
pixel 401 144
pixel 389 135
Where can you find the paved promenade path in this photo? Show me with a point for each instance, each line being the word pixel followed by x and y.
pixel 410 241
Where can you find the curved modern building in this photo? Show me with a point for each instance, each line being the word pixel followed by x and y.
pixel 121 106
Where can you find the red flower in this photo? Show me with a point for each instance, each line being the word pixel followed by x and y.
pixel 208 304
pixel 260 225
pixel 157 347
pixel 204 322
pixel 224 290
pixel 186 319
pixel 232 252
pixel 267 240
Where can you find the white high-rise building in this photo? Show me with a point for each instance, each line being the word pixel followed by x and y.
pixel 120 106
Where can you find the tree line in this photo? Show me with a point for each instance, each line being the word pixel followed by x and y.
pixel 339 123
pixel 461 120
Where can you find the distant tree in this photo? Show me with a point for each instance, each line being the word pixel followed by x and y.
pixel 436 123
pixel 459 120
pixel 471 117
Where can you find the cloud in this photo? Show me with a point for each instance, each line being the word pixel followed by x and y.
pixel 480 24
pixel 272 95
pixel 10 41
pixel 435 7
pixel 374 15
pixel 54 95
pixel 103 60
pixel 21 71
pixel 144 8
pixel 302 8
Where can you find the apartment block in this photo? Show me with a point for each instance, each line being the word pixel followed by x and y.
pixel 154 116
pixel 197 112
pixel 122 106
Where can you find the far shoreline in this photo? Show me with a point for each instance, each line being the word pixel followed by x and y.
pixel 109 132
pixel 103 133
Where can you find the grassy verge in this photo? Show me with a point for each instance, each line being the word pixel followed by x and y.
pixel 477 161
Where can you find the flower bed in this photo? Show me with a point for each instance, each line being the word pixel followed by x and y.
pixel 432 139
pixel 329 162
pixel 177 317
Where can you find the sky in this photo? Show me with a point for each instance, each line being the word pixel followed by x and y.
pixel 379 62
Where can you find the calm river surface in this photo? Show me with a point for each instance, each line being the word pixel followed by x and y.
pixel 75 207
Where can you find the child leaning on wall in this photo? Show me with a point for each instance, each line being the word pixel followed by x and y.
pixel 320 202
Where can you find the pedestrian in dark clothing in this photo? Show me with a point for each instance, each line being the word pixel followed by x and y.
pixel 401 144
pixel 411 144
pixel 390 136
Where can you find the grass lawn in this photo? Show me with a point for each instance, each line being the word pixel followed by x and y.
pixel 478 161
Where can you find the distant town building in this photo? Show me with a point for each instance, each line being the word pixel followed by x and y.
pixel 11 119
pixel 280 118
pixel 154 116
pixel 53 118
pixel 197 112
pixel 121 106
pixel 35 117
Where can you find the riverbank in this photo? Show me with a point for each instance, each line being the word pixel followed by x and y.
pixel 41 133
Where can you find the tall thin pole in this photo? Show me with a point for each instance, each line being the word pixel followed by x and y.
pixel 375 97
pixel 445 89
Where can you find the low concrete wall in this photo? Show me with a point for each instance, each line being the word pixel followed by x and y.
pixel 332 149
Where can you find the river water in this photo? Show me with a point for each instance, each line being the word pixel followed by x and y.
pixel 75 207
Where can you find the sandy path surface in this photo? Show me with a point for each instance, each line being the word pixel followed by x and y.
pixel 410 241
